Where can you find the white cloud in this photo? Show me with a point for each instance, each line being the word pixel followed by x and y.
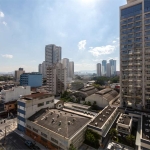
pixel 7 56
pixel 114 41
pixel 4 23
pixel 81 45
pixel 1 14
pixel 103 50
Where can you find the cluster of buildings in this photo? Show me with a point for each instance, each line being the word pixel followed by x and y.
pixel 56 124
pixel 57 71
pixel 107 69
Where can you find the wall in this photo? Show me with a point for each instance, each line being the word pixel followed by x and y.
pixel 35 80
pixel 100 101
pixel 15 93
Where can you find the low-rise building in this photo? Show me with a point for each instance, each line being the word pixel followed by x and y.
pixel 33 79
pixel 103 98
pixel 14 93
pixel 30 104
pixel 104 121
pixel 57 129
pixel 124 124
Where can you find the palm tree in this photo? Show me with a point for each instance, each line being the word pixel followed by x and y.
pixel 130 138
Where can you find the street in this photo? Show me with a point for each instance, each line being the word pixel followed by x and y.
pixel 13 142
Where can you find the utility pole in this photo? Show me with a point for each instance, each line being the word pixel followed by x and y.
pixel 5 133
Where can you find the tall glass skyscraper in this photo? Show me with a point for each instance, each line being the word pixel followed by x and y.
pixel 135 54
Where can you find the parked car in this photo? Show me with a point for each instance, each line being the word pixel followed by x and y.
pixel 29 143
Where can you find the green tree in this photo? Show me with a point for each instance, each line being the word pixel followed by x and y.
pixel 92 138
pixel 131 139
pixel 72 147
pixel 113 132
pixel 89 103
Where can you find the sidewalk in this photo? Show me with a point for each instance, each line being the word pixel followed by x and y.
pixel 23 135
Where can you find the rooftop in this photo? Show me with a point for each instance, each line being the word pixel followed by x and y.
pixel 59 121
pixel 108 94
pixel 104 91
pixel 124 119
pixel 36 95
pixel 100 120
pixel 146 127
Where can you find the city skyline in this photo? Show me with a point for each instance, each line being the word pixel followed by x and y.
pixel 28 31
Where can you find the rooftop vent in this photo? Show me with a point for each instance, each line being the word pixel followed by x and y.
pixel 104 116
pixel 51 113
pixel 59 129
pixel 100 119
pixel 59 123
pixel 96 124
pixel 109 109
pixel 74 119
pixel 107 112
pixel 45 118
pixel 58 116
pixel 69 122
pixel 71 114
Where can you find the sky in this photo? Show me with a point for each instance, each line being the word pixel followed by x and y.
pixel 87 31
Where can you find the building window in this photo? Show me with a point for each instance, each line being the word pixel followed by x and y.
pixel 44 140
pixel 9 105
pixel 35 130
pixel 54 140
pixel 43 134
pixel 47 102
pixel 41 104
pixel 28 126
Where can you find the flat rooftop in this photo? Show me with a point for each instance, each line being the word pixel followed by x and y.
pixel 102 117
pixel 62 122
pixel 124 119
pixel 36 95
pixel 146 127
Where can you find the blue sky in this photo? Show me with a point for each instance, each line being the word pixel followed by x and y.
pixel 87 31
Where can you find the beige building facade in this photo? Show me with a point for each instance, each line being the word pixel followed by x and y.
pixel 135 54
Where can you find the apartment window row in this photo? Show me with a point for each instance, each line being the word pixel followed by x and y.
pixel 131 11
pixel 43 134
pixel 28 126
pixel 35 130
pixel 41 104
pixel 54 140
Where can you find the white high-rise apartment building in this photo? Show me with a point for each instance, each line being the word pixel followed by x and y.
pixel 52 54
pixel 99 70
pixel 112 67
pixel 65 62
pixel 71 69
pixel 135 54
pixel 18 73
pixel 56 78
pixel 108 70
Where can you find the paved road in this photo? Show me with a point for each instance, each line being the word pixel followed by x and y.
pixel 14 142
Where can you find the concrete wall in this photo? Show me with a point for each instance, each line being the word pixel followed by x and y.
pixel 100 101
pixel 14 93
